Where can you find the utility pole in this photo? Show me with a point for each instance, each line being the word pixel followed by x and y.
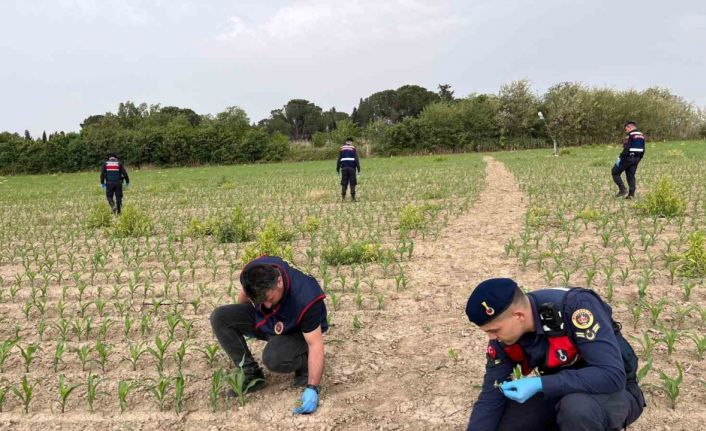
pixel 556 148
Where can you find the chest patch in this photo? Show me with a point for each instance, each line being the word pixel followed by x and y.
pixel 279 327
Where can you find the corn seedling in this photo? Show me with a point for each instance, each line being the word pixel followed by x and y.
pixel 211 353
pixel 670 385
pixel 92 383
pixel 65 391
pixel 28 354
pixel 25 392
pixel 236 382
pixel 124 389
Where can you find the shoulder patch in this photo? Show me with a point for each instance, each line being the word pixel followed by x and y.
pixel 582 318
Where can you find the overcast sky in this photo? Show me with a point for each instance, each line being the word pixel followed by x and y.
pixel 63 60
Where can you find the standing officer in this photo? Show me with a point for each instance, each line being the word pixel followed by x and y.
pixel 285 307
pixel 586 370
pixel 633 150
pixel 348 162
pixel 112 175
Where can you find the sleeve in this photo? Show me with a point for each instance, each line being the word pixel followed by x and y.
pixel 103 174
pixel 123 172
pixel 488 409
pixel 591 329
pixel 312 317
pixel 338 162
pixel 357 161
pixel 626 145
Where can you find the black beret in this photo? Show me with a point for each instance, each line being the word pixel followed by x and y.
pixel 489 299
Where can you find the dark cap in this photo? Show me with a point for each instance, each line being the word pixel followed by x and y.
pixel 489 299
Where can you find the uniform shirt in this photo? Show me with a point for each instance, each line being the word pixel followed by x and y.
pixel 113 171
pixel 633 145
pixel 601 371
pixel 347 158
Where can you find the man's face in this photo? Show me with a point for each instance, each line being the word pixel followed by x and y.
pixel 506 329
pixel 629 128
pixel 275 295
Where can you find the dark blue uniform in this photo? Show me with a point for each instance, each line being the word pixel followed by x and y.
pixel 348 165
pixel 630 157
pixel 301 310
pixel 583 373
pixel 113 174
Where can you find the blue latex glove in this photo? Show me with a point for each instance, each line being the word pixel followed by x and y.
pixel 103 186
pixel 523 389
pixel 310 401
pixel 617 162
pixel 359 174
pixel 127 185
pixel 338 173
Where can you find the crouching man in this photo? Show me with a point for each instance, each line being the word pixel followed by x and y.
pixel 586 370
pixel 285 307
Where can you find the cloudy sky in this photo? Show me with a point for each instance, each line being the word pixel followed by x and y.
pixel 63 60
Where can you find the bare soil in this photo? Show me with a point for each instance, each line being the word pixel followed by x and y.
pixel 416 364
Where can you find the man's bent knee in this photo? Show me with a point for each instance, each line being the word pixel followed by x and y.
pixel 580 411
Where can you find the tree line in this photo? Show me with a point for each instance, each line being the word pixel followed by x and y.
pixel 407 120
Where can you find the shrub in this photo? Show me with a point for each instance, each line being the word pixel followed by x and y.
pixel 664 200
pixel 414 217
pixel 337 253
pixel 133 222
pixel 311 225
pixel 694 260
pixel 271 241
pixel 99 216
pixel 589 215
pixel 236 227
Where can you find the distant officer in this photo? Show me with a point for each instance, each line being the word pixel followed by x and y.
pixel 348 163
pixel 112 175
pixel 586 370
pixel 285 307
pixel 633 151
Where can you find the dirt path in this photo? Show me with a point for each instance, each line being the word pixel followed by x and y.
pixel 424 356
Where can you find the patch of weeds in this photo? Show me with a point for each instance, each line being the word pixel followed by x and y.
pixel 272 241
pixel 99 216
pixel 416 217
pixel 664 200
pixel 133 223
pixel 693 262
pixel 337 253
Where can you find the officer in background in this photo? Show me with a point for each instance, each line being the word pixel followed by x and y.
pixel 633 151
pixel 112 175
pixel 348 163
pixel 285 307
pixel 586 370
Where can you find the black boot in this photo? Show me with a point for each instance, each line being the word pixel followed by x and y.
pixel 621 193
pixel 630 196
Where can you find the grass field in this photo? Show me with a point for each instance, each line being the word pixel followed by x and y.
pixel 120 308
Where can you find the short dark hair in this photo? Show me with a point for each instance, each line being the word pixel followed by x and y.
pixel 628 123
pixel 257 280
pixel 349 139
